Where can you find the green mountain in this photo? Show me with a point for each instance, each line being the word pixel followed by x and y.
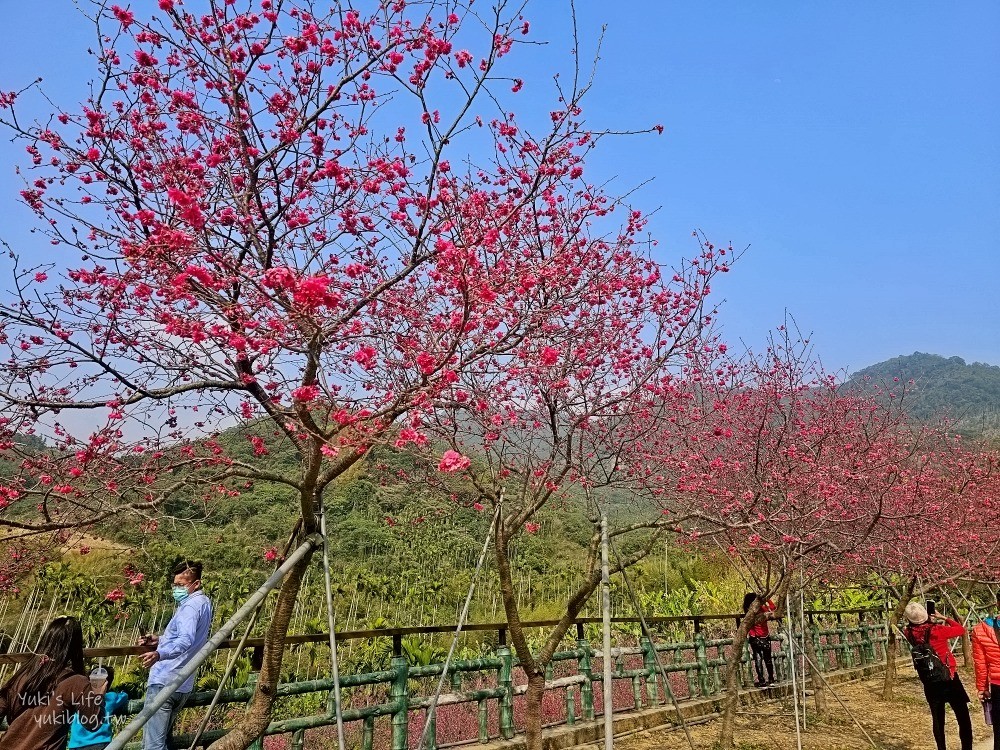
pixel 943 387
pixel 404 541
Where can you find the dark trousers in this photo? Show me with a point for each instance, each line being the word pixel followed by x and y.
pixel 950 693
pixel 995 714
pixel 760 647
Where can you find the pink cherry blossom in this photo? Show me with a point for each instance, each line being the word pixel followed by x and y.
pixel 452 461
pixel 306 393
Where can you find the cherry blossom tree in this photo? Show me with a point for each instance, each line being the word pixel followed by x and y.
pixel 780 468
pixel 556 429
pixel 296 215
pixel 937 531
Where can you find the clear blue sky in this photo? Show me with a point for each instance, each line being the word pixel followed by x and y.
pixel 855 146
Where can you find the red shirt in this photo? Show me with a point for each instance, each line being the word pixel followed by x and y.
pixel 939 635
pixel 760 629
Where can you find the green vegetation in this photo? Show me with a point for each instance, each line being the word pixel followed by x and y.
pixel 403 549
pixel 404 542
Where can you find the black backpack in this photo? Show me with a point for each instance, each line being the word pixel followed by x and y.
pixel 930 669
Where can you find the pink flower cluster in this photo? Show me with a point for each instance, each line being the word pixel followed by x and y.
pixel 452 461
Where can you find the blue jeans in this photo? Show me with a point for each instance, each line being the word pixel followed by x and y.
pixel 156 733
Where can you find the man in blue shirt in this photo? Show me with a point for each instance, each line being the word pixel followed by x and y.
pixel 187 631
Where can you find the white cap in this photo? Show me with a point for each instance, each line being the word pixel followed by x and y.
pixel 915 613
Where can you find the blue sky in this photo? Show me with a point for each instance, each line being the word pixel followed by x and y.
pixel 855 147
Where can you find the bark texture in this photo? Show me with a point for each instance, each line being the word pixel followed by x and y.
pixel 892 643
pixel 260 707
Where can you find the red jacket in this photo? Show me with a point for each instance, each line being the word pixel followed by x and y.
pixel 939 635
pixel 760 629
pixel 986 655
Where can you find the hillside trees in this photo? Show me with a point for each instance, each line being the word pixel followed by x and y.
pixel 309 215
pixel 966 394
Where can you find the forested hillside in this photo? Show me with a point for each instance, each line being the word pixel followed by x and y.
pixel 388 508
pixel 404 542
pixel 405 538
pixel 945 387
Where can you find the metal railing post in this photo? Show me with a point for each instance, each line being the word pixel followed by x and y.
pixel 506 680
pixel 649 663
pixel 587 688
pixel 701 656
pixel 399 693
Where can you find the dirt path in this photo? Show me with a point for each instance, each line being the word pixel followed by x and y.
pixel 901 724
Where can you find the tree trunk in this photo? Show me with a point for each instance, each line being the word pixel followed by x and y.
pixel 890 666
pixel 533 665
pixel 818 686
pixel 891 646
pixel 966 649
pixel 732 695
pixel 731 700
pixel 532 670
pixel 259 709
pixel 533 712
pixel 733 664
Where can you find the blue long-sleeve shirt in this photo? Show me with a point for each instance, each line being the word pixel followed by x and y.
pixel 185 634
pixel 80 736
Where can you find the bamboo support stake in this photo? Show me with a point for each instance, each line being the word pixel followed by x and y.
pixel 332 622
pixel 802 650
pixel 609 730
pixel 791 664
pixel 842 704
pixel 458 630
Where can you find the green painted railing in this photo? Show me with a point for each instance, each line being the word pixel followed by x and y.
pixel 391 713
pixel 387 708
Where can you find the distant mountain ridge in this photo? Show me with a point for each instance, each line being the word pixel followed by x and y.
pixel 947 387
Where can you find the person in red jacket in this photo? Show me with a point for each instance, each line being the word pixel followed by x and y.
pixel 935 631
pixel 986 657
pixel 759 636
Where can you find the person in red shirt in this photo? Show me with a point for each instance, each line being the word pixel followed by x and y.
pixel 759 636
pixel 935 631
pixel 986 657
